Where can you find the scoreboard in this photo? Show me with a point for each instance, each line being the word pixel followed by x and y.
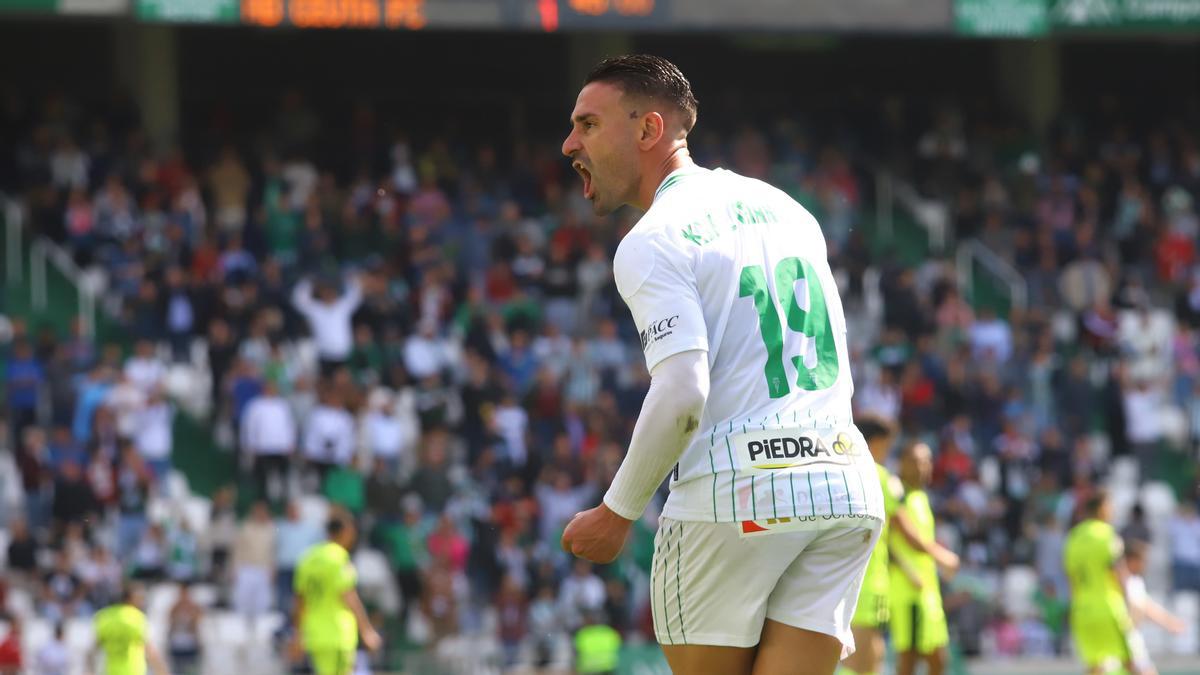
pixel 546 15
pixel 522 15
pixel 1007 18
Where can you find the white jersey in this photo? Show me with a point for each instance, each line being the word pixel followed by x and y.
pixel 733 266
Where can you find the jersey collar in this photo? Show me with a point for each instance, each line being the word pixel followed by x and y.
pixel 675 177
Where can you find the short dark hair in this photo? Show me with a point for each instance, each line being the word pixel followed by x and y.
pixel 337 522
pixel 1094 501
pixel 873 427
pixel 651 77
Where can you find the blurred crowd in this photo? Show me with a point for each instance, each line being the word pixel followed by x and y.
pixel 428 335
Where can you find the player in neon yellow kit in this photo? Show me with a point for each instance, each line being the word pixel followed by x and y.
pixel 918 622
pixel 873 612
pixel 329 613
pixel 121 635
pixel 1100 620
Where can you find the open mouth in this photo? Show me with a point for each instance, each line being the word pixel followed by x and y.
pixel 586 175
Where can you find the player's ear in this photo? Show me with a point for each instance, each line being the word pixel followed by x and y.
pixel 651 130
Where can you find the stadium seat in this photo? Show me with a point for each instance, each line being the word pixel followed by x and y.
pixel 198 511
pixel 1019 584
pixel 159 600
pixel 1186 605
pixel 1123 472
pixel 225 628
pixel 79 635
pixel 205 595
pixel 1123 498
pixel 177 485
pixel 989 474
pixel 314 509
pixel 1158 500
pixel 158 509
pixel 35 632
pixel 20 603
pixel 375 580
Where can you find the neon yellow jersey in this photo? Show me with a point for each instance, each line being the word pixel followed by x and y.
pixel 916 504
pixel 1091 550
pixel 121 634
pixel 322 576
pixel 599 649
pixel 876 577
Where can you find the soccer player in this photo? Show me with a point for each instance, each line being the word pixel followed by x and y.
pixel 1099 618
pixel 329 614
pixel 1143 607
pixel 121 635
pixel 873 611
pixel 774 503
pixel 917 621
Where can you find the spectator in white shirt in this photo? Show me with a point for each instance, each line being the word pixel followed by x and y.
pixel 53 658
pixel 329 435
pixel 144 369
pixel 329 319
pixel 126 400
pixel 269 438
pixel 880 397
pixel 254 565
pixel 991 335
pixel 581 593
pixel 425 353
pixel 1183 531
pixel 153 436
pixel 1143 404
pixel 553 350
pixel 512 424
pixel 390 428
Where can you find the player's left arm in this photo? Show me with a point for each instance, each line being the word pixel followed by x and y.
pixel 946 559
pixel 155 658
pixel 370 637
pixel 669 418
pixel 1159 615
pixel 658 285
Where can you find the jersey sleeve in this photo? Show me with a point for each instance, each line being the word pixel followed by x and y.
pixel 347 576
pixel 1116 548
pixel 893 493
pixel 660 289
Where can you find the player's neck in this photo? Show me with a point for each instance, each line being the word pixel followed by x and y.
pixel 679 158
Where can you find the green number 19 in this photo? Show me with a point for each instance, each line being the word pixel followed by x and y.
pixel 813 322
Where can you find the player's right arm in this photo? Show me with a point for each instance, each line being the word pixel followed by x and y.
pixel 896 559
pixel 370 637
pixel 1159 615
pixel 157 663
pixel 946 559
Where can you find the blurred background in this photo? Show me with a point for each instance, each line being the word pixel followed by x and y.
pixel 265 256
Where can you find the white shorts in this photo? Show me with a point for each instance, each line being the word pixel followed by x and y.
pixel 711 586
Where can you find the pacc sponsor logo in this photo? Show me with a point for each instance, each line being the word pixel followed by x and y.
pixel 658 330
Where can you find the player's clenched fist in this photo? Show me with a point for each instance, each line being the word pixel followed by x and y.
pixel 597 535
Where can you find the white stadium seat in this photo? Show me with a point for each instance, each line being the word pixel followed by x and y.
pixel 1018 587
pixel 198 511
pixel 314 509
pixel 1186 605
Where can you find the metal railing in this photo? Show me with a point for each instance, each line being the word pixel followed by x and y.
pixel 14 221
pixel 44 251
pixel 973 252
pixel 931 214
